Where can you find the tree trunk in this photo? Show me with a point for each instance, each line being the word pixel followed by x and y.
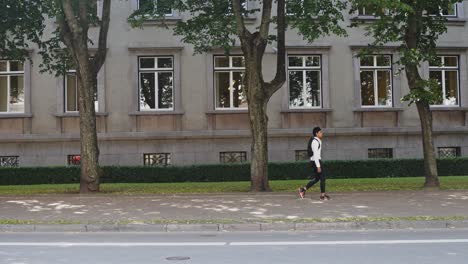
pixel 257 98
pixel 430 162
pixel 259 149
pixel 425 117
pixel 90 171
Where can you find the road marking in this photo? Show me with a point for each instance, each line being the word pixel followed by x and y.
pixel 206 244
pixel 356 242
pixel 109 244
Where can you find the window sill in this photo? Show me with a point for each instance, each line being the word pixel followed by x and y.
pixel 451 21
pixel 15 115
pixel 307 110
pixel 227 112
pixel 154 113
pixel 378 109
pixel 78 114
pixel 158 21
pixel 448 108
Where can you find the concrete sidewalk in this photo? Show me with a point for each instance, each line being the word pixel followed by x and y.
pixel 230 212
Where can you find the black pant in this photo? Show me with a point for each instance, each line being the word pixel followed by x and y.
pixel 316 176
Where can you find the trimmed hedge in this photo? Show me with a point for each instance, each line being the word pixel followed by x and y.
pixel 338 169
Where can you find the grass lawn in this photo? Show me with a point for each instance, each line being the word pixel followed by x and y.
pixel 333 185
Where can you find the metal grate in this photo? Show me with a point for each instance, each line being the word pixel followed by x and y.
pixel 302 155
pixel 74 159
pixel 157 159
pixel 449 152
pixel 9 161
pixel 380 153
pixel 233 157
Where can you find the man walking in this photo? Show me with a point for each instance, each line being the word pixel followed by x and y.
pixel 314 150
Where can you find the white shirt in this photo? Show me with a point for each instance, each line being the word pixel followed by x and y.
pixel 316 142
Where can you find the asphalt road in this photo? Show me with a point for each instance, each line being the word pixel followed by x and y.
pixel 328 247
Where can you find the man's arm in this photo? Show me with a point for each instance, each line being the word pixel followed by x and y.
pixel 315 149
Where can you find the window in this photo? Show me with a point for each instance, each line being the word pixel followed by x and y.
pixel 449 11
pixel 233 157
pixel 11 86
pixel 74 159
pixel 380 153
pixel 9 161
pixel 157 159
pixel 376 80
pixel 446 72
pixel 156 83
pixel 153 5
pixel 72 88
pixel 302 155
pixel 304 74
pixel 449 152
pixel 228 77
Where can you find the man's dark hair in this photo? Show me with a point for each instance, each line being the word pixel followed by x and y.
pixel 316 130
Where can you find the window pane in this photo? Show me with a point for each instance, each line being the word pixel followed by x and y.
pixel 451 61
pixel 16 66
pixel 383 61
pixel 3 93
pixel 163 7
pixel 313 61
pixel 451 88
pixel 384 88
pixel 72 93
pixel 238 62
pixel 367 61
pixel 222 89
pixel 295 61
pixel 147 94
pixel 450 10
pixel 146 4
pixel 147 63
pixel 295 88
pixel 313 88
pixel 3 66
pixel 240 99
pixel 165 89
pixel 367 88
pixel 164 63
pixel 437 75
pixel 16 94
pixel 222 61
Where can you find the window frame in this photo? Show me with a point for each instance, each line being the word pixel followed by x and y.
pixel 375 69
pixel 443 69
pixel 243 157
pixel 155 2
pixel 8 74
pixel 156 71
pixel 15 165
pixel 167 159
pixel 304 68
pixel 65 94
pixel 231 71
pixel 390 154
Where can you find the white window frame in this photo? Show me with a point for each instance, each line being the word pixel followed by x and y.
pixel 305 69
pixel 65 92
pixel 443 69
pixel 231 69
pixel 156 72
pixel 455 8
pixel 155 3
pixel 9 74
pixel 375 69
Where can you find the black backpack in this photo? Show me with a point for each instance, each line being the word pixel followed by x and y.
pixel 310 152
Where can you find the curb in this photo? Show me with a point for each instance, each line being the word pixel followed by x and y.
pixel 251 227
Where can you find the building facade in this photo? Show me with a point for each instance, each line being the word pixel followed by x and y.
pixel 158 103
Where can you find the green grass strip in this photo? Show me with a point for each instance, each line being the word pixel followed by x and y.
pixel 333 185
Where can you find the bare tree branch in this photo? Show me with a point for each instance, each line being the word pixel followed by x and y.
pixel 266 19
pixel 280 76
pixel 102 48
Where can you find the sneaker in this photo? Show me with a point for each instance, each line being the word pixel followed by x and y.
pixel 302 192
